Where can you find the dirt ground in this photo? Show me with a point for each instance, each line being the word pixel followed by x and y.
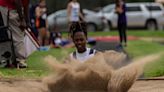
pixel 148 86
pixel 16 85
pixel 23 85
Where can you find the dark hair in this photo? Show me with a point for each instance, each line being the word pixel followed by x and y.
pixel 77 27
pixel 41 0
pixel 69 1
pixel 117 2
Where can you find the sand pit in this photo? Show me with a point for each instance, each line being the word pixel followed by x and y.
pixel 22 85
pixel 96 75
pixel 148 86
pixel 26 85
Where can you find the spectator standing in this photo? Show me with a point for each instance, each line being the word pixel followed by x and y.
pixel 73 11
pixel 41 23
pixel 122 21
pixel 18 21
pixel 32 19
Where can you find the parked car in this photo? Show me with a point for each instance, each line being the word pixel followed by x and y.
pixel 59 20
pixel 139 15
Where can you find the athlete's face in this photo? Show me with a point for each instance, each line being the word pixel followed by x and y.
pixel 80 41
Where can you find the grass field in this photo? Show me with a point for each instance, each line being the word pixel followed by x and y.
pixel 37 67
pixel 137 33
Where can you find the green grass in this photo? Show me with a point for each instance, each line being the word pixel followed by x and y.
pixel 137 33
pixel 141 48
pixel 138 49
pixel 38 69
pixel 155 68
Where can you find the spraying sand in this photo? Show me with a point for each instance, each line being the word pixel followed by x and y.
pixel 98 74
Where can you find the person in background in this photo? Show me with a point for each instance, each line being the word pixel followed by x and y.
pixel 32 19
pixel 57 41
pixel 73 12
pixel 18 21
pixel 41 23
pixel 122 21
pixel 79 38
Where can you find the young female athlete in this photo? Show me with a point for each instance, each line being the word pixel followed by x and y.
pixel 79 38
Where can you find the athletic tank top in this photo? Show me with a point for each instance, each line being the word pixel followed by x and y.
pixel 75 12
pixel 82 57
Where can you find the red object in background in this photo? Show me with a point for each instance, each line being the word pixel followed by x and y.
pixel 25 3
pixel 8 3
pixel 112 38
pixel 11 3
pixel 37 22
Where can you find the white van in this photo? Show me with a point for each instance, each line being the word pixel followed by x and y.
pixel 59 19
pixel 139 15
